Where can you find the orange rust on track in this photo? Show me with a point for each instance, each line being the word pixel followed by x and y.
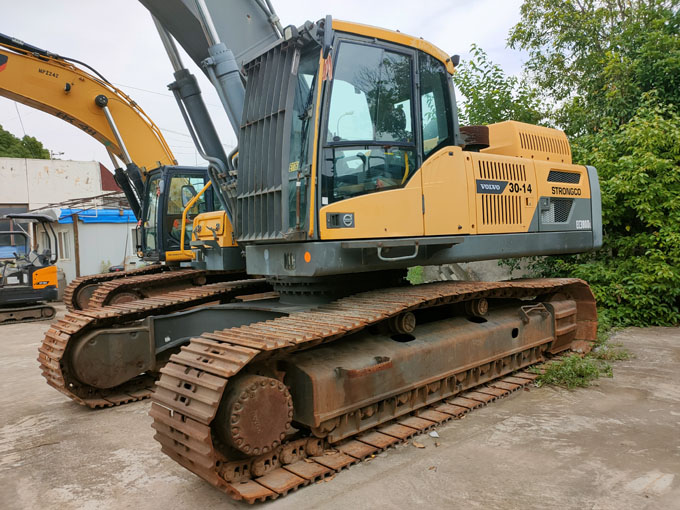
pixel 53 350
pixel 187 396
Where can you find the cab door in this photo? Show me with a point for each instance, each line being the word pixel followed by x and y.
pixel 445 168
pixel 370 185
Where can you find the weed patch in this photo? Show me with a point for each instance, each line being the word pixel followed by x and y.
pixel 415 275
pixel 580 371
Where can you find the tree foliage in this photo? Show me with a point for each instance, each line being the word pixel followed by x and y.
pixel 491 95
pixel 611 68
pixel 595 58
pixel 26 147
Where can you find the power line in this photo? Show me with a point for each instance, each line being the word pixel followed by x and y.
pixel 158 93
pixel 143 90
pixel 175 132
pixel 20 121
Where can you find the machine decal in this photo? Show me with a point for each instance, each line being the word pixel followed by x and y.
pixel 47 72
pixel 516 188
pixel 558 190
pixel 3 62
pixel 492 187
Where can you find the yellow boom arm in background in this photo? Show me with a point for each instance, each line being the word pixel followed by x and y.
pixel 59 88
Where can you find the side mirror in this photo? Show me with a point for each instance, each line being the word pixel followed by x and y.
pixel 188 192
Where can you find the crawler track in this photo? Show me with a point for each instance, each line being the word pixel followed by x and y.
pixel 78 292
pixel 53 351
pixel 97 291
pixel 155 284
pixel 190 389
pixel 23 314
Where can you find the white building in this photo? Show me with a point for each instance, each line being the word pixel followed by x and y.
pixel 105 236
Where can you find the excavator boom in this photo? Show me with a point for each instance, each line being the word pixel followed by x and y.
pixel 58 87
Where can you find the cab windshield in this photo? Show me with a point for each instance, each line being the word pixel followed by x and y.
pixel 369 142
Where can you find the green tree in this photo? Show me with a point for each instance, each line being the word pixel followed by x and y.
pixel 636 275
pixel 595 58
pixel 26 147
pixel 611 70
pixel 492 96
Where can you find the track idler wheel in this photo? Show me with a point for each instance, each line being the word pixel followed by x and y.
pixel 82 299
pixel 124 297
pixel 255 415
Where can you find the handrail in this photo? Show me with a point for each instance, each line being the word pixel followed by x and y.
pixel 191 203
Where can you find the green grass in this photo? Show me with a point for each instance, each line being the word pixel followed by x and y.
pixel 415 275
pixel 580 371
pixel 574 372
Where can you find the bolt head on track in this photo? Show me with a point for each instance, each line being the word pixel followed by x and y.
pixel 255 415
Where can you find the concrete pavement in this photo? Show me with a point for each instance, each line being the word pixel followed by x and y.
pixel 615 445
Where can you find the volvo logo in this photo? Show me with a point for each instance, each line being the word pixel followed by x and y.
pixel 492 187
pixel 348 220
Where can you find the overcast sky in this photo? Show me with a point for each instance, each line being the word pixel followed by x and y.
pixel 119 39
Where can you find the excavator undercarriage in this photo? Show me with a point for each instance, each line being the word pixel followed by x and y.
pixel 347 379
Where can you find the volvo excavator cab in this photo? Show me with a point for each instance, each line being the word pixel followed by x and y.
pixel 28 280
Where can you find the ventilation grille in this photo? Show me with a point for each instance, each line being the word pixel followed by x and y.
pixel 559 210
pixel 567 177
pixel 501 210
pixel 502 171
pixel 541 143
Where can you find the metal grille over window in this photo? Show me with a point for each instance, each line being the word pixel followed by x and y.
pixel 559 210
pixel 566 177
pixel 265 144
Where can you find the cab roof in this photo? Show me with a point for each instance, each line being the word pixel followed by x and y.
pixel 395 37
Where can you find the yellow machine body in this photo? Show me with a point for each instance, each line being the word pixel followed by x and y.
pixel 44 277
pixel 445 188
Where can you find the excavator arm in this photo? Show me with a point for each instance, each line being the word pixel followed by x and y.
pixel 52 84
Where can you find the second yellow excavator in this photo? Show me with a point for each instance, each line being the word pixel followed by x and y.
pixel 156 188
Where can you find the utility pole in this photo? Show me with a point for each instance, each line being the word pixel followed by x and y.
pixel 76 244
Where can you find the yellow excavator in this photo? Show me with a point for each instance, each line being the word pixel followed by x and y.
pixel 28 277
pixel 149 175
pixel 352 167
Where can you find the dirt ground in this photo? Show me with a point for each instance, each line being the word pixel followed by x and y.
pixel 615 445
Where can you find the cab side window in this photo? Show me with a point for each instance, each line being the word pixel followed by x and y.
pixel 435 104
pixel 179 185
